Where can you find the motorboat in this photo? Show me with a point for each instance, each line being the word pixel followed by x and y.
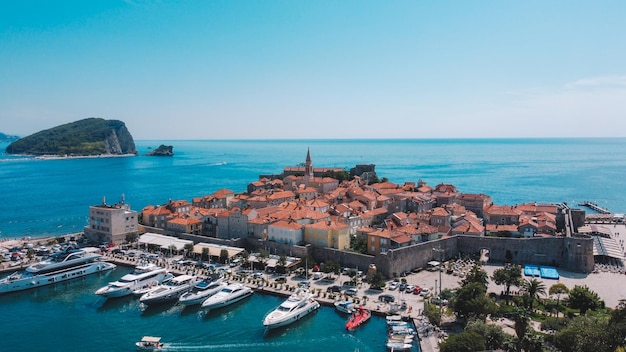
pixel 169 291
pixel 399 346
pixel 62 260
pixel 360 316
pixel 298 305
pixel 345 306
pixel 203 290
pixel 144 275
pixel 59 267
pixel 227 295
pixel 145 289
pixel 149 343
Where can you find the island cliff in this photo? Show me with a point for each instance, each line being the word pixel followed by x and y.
pixel 91 136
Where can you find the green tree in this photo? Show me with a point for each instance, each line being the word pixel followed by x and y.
pixel 471 302
pixel 509 276
pixel 558 290
pixel 282 262
pixel 376 281
pixel 617 326
pixel 533 288
pixel 188 249
pixel 330 266
pixel 463 342
pixel 245 257
pixel 263 258
pixel 584 333
pixel 358 244
pixel 223 256
pixel 493 335
pixel 581 297
pixel 131 237
pixel 205 254
pixel 476 275
pixel 433 313
pixel 521 317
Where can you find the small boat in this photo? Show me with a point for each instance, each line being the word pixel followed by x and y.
pixel 142 276
pixel 169 291
pixel 227 295
pixel 149 343
pixel 203 290
pixel 296 307
pixel 399 346
pixel 345 307
pixel 360 316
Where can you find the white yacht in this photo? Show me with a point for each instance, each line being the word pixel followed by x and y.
pixel 58 267
pixel 144 275
pixel 203 290
pixel 169 291
pixel 297 306
pixel 227 295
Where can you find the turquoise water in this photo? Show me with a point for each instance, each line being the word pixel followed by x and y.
pixel 47 197
pixel 70 317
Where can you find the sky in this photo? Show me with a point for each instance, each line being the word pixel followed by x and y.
pixel 316 69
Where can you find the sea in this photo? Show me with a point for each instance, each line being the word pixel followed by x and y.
pixel 51 197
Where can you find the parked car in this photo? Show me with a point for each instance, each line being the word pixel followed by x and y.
pixel 351 292
pixel 409 289
pixel 393 285
pixel 424 292
pixel 386 298
pixel 257 275
pixel 439 301
pixel 417 290
pixel 305 284
pixel 333 289
pixel 280 280
pixel 403 286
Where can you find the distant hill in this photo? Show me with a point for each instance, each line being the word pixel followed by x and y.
pixel 91 136
pixel 7 138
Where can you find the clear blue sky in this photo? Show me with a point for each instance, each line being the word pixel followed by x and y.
pixel 316 69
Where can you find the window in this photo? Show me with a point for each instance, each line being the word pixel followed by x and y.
pixel 373 249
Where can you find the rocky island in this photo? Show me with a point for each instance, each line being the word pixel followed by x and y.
pixel 162 150
pixel 87 137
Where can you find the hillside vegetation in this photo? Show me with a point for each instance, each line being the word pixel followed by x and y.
pixel 91 136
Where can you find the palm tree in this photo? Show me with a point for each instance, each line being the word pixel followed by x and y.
pixel 558 290
pixel 509 276
pixel 533 288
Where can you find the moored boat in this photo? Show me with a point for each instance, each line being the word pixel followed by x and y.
pixel 297 306
pixel 203 290
pixel 144 275
pixel 227 295
pixel 360 316
pixel 57 268
pixel 345 307
pixel 169 291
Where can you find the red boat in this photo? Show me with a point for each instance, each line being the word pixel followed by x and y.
pixel 359 317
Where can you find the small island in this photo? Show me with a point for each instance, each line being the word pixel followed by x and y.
pixel 87 137
pixel 162 150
